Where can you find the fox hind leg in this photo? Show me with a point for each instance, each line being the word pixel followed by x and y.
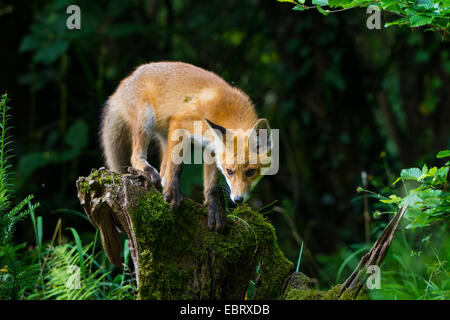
pixel 141 134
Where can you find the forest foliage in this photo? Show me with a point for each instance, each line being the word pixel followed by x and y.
pixel 430 201
pixel 347 100
pixel 433 14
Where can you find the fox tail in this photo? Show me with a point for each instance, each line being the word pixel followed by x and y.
pixel 115 140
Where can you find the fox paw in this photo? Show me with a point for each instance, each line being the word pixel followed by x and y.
pixel 153 174
pixel 215 218
pixel 173 196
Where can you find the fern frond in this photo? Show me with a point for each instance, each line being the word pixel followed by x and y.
pixel 8 217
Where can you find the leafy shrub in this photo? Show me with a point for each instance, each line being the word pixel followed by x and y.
pixel 430 201
pixel 416 266
pixel 434 14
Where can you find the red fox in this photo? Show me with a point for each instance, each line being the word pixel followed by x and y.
pixel 160 97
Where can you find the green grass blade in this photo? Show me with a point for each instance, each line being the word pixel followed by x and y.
pixel 299 258
pixel 79 249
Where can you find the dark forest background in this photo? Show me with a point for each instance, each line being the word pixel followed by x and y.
pixel 346 99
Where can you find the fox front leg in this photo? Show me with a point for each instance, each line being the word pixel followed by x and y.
pixel 210 179
pixel 172 192
pixel 172 167
pixel 215 216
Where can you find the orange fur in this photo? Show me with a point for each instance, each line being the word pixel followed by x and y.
pixel 160 97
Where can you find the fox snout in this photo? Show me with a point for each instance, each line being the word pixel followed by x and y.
pixel 239 192
pixel 238 199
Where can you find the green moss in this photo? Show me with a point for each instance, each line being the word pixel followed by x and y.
pixel 332 293
pixel 351 295
pixel 299 288
pixel 180 258
pixel 275 267
pixel 301 292
pixel 85 186
pixel 101 177
pixel 161 241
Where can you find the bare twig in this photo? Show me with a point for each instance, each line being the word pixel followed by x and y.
pixel 375 255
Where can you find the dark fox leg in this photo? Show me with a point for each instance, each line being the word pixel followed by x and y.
pixel 210 182
pixel 172 192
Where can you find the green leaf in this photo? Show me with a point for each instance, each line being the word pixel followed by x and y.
pixel 299 8
pixel 32 161
pixel 433 171
pixel 424 169
pixel 320 2
pixel 427 4
pixel 77 136
pixel 29 43
pixel 442 173
pixel 49 52
pixel 420 20
pixel 443 154
pixel 340 3
pixel 411 174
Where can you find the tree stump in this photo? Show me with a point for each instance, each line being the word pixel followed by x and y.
pixel 174 254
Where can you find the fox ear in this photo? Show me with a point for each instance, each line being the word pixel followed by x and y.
pixel 261 136
pixel 219 132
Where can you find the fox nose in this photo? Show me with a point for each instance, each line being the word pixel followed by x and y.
pixel 238 199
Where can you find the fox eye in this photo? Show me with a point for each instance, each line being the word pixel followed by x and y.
pixel 230 172
pixel 250 172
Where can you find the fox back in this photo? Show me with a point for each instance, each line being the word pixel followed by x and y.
pixel 181 89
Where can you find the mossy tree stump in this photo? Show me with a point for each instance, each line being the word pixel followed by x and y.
pixel 174 254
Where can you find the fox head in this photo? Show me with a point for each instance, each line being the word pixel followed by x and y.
pixel 241 156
